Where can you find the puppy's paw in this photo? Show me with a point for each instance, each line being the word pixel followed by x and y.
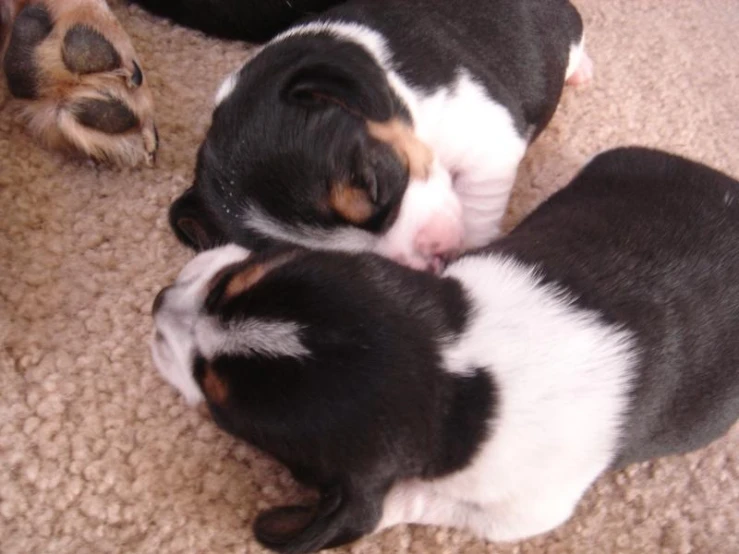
pixel 76 72
pixel 582 74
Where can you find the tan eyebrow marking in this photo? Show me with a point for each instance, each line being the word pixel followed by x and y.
pixel 244 279
pixel 214 386
pixel 398 134
pixel 351 202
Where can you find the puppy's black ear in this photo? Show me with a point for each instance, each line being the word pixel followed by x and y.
pixel 193 224
pixel 339 518
pixel 355 82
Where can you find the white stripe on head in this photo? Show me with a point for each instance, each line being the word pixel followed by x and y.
pixel 373 41
pixel 349 239
pixel 250 336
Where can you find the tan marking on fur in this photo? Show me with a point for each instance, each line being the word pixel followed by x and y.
pixel 249 276
pixel 214 387
pixel 244 280
pixel 49 117
pixel 351 202
pixel 417 155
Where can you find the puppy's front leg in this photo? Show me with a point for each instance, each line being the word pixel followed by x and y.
pixel 484 199
pixel 415 502
pixel 418 502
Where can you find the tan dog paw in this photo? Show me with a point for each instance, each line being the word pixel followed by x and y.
pixel 76 72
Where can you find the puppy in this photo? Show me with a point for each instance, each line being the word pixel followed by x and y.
pixel 315 139
pixel 599 333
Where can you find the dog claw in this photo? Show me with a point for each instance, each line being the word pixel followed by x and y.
pixel 136 78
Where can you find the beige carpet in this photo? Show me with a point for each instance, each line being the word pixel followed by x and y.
pixel 98 455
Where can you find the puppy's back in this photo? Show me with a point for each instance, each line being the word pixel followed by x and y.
pixel 651 242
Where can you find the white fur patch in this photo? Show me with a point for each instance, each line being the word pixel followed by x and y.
pixel 430 211
pixel 476 140
pixel 351 239
pixel 562 377
pixel 373 41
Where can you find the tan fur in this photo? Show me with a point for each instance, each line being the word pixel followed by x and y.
pixel 214 387
pixel 244 280
pixel 398 134
pixel 351 203
pixel 49 117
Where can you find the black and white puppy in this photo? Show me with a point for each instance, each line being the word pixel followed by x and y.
pixel 600 332
pixel 315 140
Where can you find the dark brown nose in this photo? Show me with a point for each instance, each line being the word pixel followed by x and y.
pixel 159 299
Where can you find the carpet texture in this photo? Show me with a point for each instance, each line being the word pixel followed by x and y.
pixel 98 454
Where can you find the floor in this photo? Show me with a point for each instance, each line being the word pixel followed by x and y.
pixel 98 454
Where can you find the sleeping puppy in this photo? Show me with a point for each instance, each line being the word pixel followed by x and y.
pixel 599 333
pixel 314 141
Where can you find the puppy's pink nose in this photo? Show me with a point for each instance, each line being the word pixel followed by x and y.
pixel 442 236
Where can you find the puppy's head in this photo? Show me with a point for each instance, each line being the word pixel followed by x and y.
pixel 327 361
pixel 308 145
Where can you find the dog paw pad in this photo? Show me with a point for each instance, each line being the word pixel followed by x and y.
pixel 85 50
pixel 110 115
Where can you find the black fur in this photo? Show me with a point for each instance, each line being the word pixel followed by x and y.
pixel 248 20
pixel 645 239
pixel 295 124
pixel 649 241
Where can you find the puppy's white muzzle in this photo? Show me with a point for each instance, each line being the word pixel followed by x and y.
pixel 429 226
